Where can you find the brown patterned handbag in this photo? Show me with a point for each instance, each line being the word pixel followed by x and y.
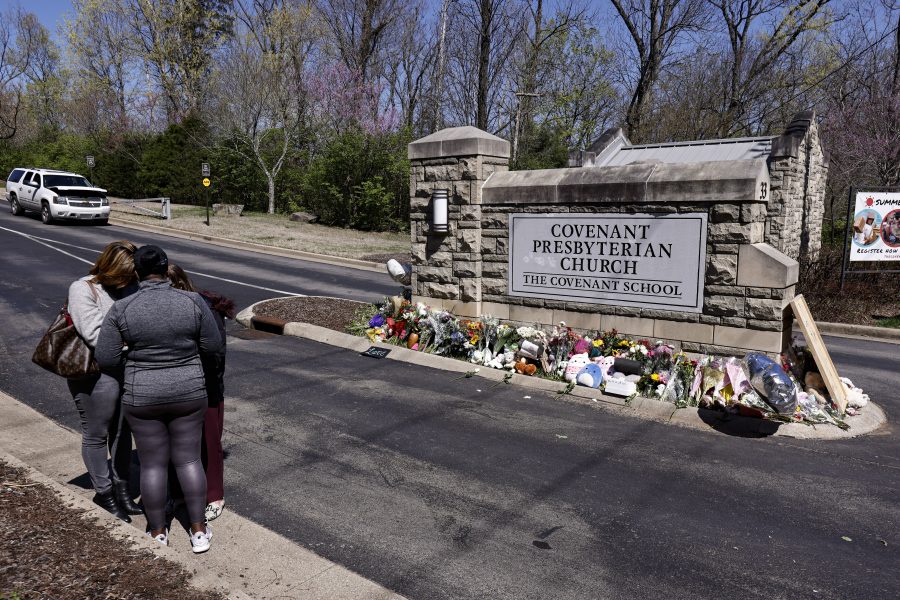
pixel 63 351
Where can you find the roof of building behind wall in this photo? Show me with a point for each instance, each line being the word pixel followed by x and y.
pixel 621 153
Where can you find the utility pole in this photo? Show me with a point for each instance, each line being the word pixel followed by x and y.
pixel 519 96
pixel 439 77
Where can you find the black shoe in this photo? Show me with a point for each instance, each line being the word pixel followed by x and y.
pixel 108 502
pixel 120 488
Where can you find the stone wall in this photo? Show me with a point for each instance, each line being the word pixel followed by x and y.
pixel 747 283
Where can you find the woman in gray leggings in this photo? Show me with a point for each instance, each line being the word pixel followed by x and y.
pixel 97 396
pixel 158 335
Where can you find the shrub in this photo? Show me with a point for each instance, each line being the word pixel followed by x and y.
pixel 360 180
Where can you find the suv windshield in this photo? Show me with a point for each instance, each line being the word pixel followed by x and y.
pixel 65 180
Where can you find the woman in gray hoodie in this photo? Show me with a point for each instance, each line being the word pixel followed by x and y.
pixel 158 335
pixel 97 397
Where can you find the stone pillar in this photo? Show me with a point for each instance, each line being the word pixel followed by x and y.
pixel 447 266
pixel 798 170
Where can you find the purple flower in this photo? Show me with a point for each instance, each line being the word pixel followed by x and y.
pixel 377 320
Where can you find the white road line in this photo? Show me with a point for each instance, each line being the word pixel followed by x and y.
pixel 259 287
pixel 42 241
pixel 37 241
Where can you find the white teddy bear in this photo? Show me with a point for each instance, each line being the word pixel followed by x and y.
pixel 575 365
pixel 856 398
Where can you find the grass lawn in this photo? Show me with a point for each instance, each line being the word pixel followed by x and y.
pixel 279 231
pixel 893 322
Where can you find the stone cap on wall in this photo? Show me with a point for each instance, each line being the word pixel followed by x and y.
pixel 761 265
pixel 651 182
pixel 788 144
pixel 458 141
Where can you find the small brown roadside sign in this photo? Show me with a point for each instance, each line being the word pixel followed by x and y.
pixel 816 346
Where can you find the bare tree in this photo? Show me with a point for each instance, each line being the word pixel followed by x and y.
pixel 260 103
pixel 98 40
pixel 541 58
pixel 578 94
pixel 654 26
pixel 862 128
pixel 486 33
pixel 18 42
pixel 360 29
pixel 755 51
pixel 409 66
pixel 46 88
pixel 176 39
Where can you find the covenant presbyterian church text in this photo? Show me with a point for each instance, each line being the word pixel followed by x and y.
pixel 603 247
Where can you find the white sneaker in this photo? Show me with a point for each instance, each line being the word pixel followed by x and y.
pixel 200 540
pixel 162 538
pixel 214 509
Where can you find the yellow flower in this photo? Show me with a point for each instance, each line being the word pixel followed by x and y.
pixel 655 377
pixel 623 343
pixel 597 343
pixel 474 339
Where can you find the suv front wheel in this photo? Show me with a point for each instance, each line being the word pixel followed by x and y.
pixel 14 207
pixel 46 215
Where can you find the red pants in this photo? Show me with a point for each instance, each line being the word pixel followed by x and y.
pixel 213 425
pixel 211 452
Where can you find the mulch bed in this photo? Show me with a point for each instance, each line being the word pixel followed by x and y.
pixel 333 313
pixel 49 550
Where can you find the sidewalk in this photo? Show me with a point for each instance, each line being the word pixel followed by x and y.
pixel 245 561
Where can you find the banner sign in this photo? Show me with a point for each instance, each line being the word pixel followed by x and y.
pixel 876 227
pixel 643 260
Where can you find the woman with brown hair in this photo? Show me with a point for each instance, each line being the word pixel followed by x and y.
pixel 104 432
pixel 214 420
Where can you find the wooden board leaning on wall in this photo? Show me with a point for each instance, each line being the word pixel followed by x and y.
pixel 816 346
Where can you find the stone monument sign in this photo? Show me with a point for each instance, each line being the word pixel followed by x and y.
pixel 691 242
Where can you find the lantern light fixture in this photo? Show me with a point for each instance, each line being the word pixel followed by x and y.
pixel 439 201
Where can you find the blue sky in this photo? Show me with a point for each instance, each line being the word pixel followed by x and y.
pixel 50 12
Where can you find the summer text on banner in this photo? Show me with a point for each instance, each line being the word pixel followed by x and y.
pixel 641 260
pixel 876 227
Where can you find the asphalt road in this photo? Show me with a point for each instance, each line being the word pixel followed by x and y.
pixel 438 486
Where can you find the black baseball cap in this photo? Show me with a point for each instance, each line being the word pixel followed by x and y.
pixel 150 260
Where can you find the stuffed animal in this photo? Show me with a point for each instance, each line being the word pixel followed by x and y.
pixel 606 364
pixel 591 376
pixel 576 363
pixel 524 367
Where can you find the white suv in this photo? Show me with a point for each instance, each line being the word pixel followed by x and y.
pixel 56 195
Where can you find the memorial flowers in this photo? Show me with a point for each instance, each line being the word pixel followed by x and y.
pixel 755 385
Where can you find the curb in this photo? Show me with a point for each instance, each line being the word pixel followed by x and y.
pixel 880 334
pixel 868 421
pixel 353 263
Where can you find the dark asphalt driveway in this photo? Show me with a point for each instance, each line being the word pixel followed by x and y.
pixel 438 486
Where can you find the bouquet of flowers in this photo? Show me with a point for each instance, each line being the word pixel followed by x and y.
pixel 663 373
